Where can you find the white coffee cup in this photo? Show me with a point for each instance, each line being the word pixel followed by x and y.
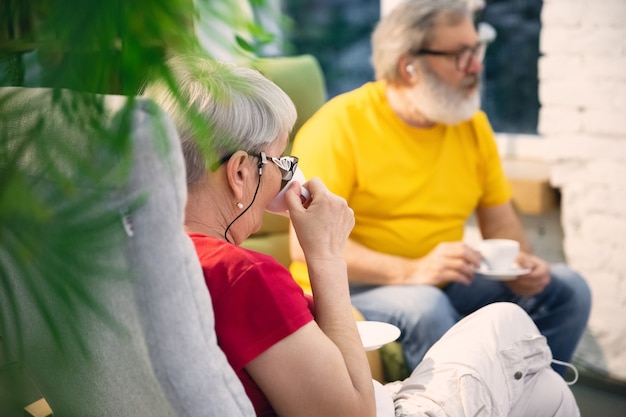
pixel 499 254
pixel 278 205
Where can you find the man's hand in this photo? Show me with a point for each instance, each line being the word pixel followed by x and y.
pixel 535 281
pixel 449 261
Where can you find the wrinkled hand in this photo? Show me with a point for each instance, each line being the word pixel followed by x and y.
pixel 449 261
pixel 323 226
pixel 535 281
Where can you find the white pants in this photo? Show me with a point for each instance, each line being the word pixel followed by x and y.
pixel 493 363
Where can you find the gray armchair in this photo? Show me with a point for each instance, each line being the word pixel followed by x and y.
pixel 137 338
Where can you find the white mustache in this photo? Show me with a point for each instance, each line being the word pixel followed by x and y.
pixel 470 81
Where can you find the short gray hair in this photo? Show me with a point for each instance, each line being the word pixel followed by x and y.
pixel 241 108
pixel 409 27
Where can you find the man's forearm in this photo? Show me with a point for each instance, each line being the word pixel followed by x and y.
pixel 365 266
pixel 502 222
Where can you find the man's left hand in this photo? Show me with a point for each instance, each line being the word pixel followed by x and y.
pixel 535 281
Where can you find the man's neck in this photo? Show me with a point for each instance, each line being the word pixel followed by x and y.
pixel 404 109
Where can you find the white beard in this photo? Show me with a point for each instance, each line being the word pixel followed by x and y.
pixel 443 104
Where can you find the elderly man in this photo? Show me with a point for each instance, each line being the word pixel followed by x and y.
pixel 414 157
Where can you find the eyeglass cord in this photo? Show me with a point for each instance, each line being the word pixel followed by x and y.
pixel 249 205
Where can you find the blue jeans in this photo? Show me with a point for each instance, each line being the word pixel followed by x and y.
pixel 424 313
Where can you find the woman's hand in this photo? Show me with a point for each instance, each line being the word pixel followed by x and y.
pixel 324 225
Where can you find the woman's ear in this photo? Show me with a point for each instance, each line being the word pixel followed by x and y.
pixel 238 170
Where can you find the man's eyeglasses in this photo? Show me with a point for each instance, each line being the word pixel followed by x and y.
pixel 463 57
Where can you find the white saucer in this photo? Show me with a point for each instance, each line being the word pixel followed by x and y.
pixel 374 334
pixel 502 274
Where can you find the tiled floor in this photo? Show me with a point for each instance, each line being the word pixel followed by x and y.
pixel 596 401
pixel 596 396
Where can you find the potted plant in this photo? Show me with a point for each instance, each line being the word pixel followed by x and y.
pixel 93 47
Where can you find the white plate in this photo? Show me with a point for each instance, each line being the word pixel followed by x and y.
pixel 502 275
pixel 374 334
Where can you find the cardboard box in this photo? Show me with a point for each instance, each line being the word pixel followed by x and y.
pixel 530 183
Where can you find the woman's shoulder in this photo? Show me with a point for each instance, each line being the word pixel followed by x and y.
pixel 214 251
pixel 226 265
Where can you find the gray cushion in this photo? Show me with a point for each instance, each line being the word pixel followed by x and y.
pixel 129 331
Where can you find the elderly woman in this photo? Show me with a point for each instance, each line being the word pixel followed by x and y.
pixel 295 358
pixel 289 363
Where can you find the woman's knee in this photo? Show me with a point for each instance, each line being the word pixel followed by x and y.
pixel 502 317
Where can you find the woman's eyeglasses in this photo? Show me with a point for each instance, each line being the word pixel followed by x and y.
pixel 286 164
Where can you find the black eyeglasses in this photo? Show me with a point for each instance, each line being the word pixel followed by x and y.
pixel 463 57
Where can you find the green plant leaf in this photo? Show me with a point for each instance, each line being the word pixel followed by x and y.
pixel 55 225
pixel 243 44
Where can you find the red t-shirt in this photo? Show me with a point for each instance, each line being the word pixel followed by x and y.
pixel 256 304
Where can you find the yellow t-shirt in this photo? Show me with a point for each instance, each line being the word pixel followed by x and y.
pixel 410 188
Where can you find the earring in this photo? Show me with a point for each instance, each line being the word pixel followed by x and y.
pixel 410 69
pixel 239 205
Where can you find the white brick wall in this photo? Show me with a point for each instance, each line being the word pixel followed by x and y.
pixel 584 13
pixel 583 120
